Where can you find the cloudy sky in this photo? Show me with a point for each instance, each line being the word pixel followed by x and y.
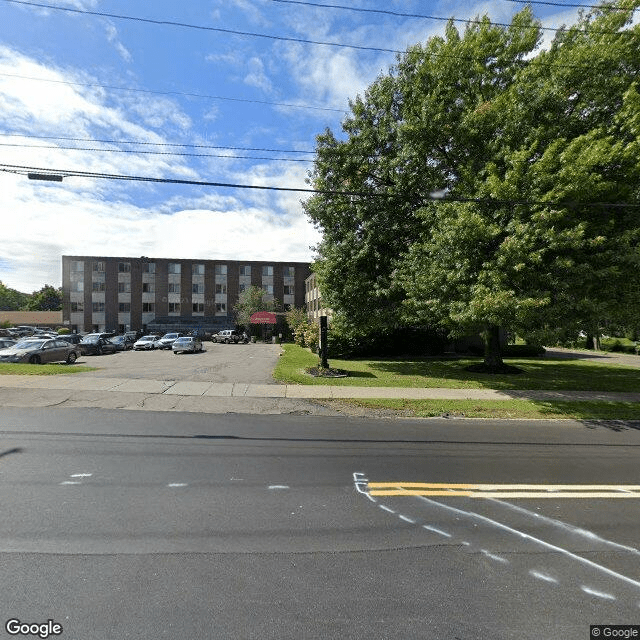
pixel 237 100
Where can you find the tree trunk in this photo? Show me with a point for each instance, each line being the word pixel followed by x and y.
pixel 492 350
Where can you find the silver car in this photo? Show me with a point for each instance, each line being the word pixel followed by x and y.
pixel 40 351
pixel 146 342
pixel 187 343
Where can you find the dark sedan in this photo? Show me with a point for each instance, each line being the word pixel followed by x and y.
pixel 123 342
pixel 40 351
pixel 95 344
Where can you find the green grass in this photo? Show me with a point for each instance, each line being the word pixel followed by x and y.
pixel 512 409
pixel 539 373
pixel 16 369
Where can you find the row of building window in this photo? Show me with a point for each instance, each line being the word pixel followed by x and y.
pixel 176 268
pixel 174 287
pixel 147 307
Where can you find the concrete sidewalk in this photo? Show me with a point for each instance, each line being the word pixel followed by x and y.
pixel 189 389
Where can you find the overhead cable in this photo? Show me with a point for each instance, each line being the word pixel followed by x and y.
pixel 435 196
pixel 170 93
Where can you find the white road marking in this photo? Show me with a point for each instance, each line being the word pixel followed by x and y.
pixel 278 486
pixel 438 531
pixel 360 482
pixel 494 557
pixel 526 536
pixel 598 594
pixel 177 484
pixel 542 576
pixel 386 508
pixel 70 482
pixel 567 527
pixel 81 475
pixel 409 520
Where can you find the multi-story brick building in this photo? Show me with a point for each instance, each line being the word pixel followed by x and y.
pixel 121 294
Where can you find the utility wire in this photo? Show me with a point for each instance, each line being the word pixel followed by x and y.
pixel 604 5
pixel 170 93
pixel 434 197
pixel 273 37
pixel 151 153
pixel 155 144
pixel 428 17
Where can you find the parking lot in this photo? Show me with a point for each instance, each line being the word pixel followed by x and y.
pixel 250 363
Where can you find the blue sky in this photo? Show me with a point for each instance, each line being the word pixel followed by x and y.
pixel 62 74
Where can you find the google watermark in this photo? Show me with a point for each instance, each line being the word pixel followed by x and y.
pixel 41 629
pixel 598 631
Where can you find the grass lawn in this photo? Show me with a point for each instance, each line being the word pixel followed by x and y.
pixel 16 369
pixel 506 409
pixel 543 373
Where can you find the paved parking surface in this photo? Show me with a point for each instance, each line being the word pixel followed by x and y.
pixel 248 363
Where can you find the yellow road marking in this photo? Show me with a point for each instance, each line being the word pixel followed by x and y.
pixel 503 490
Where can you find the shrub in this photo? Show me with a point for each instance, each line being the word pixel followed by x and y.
pixel 63 331
pixel 312 336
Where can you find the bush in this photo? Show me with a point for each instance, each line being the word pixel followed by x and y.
pixel 523 350
pixel 63 331
pixel 312 336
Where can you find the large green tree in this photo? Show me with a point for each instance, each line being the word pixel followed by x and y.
pixel 520 147
pixel 46 299
pixel 251 300
pixel 11 299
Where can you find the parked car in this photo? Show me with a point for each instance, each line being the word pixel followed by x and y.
pixel 168 339
pixel 227 336
pixel 146 342
pixel 7 342
pixel 187 343
pixel 40 351
pixel 71 338
pixel 97 344
pixel 123 342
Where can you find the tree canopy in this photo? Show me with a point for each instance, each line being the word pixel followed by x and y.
pixel 251 300
pixel 491 184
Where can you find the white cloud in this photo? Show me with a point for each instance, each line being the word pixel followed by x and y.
pixel 256 76
pixel 112 37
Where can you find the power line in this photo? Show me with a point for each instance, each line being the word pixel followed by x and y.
pixel 426 17
pixel 434 197
pixel 604 5
pixel 153 153
pixel 185 25
pixel 155 144
pixel 271 37
pixel 170 93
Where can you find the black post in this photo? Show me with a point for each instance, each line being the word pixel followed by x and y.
pixel 323 342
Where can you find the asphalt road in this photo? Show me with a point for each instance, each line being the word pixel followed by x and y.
pixel 125 525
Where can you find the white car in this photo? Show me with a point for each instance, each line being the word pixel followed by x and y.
pixel 146 342
pixel 167 340
pixel 187 343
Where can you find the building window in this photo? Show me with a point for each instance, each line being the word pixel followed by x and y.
pixel 77 265
pixel 149 267
pixel 98 266
pixel 198 307
pixel 77 307
pixel 268 289
pixel 289 290
pixel 289 272
pixel 221 270
pixel 79 286
pixel 197 288
pixel 174 307
pixel 288 307
pixel 148 307
pixel 267 271
pixel 174 267
pixel 98 307
pixel 98 286
pixel 174 287
pixel 148 287
pixel 124 287
pixel 124 307
pixel 124 267
pixel 221 288
pixel 242 287
pixel 197 269
pixel 245 270
pixel 221 307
